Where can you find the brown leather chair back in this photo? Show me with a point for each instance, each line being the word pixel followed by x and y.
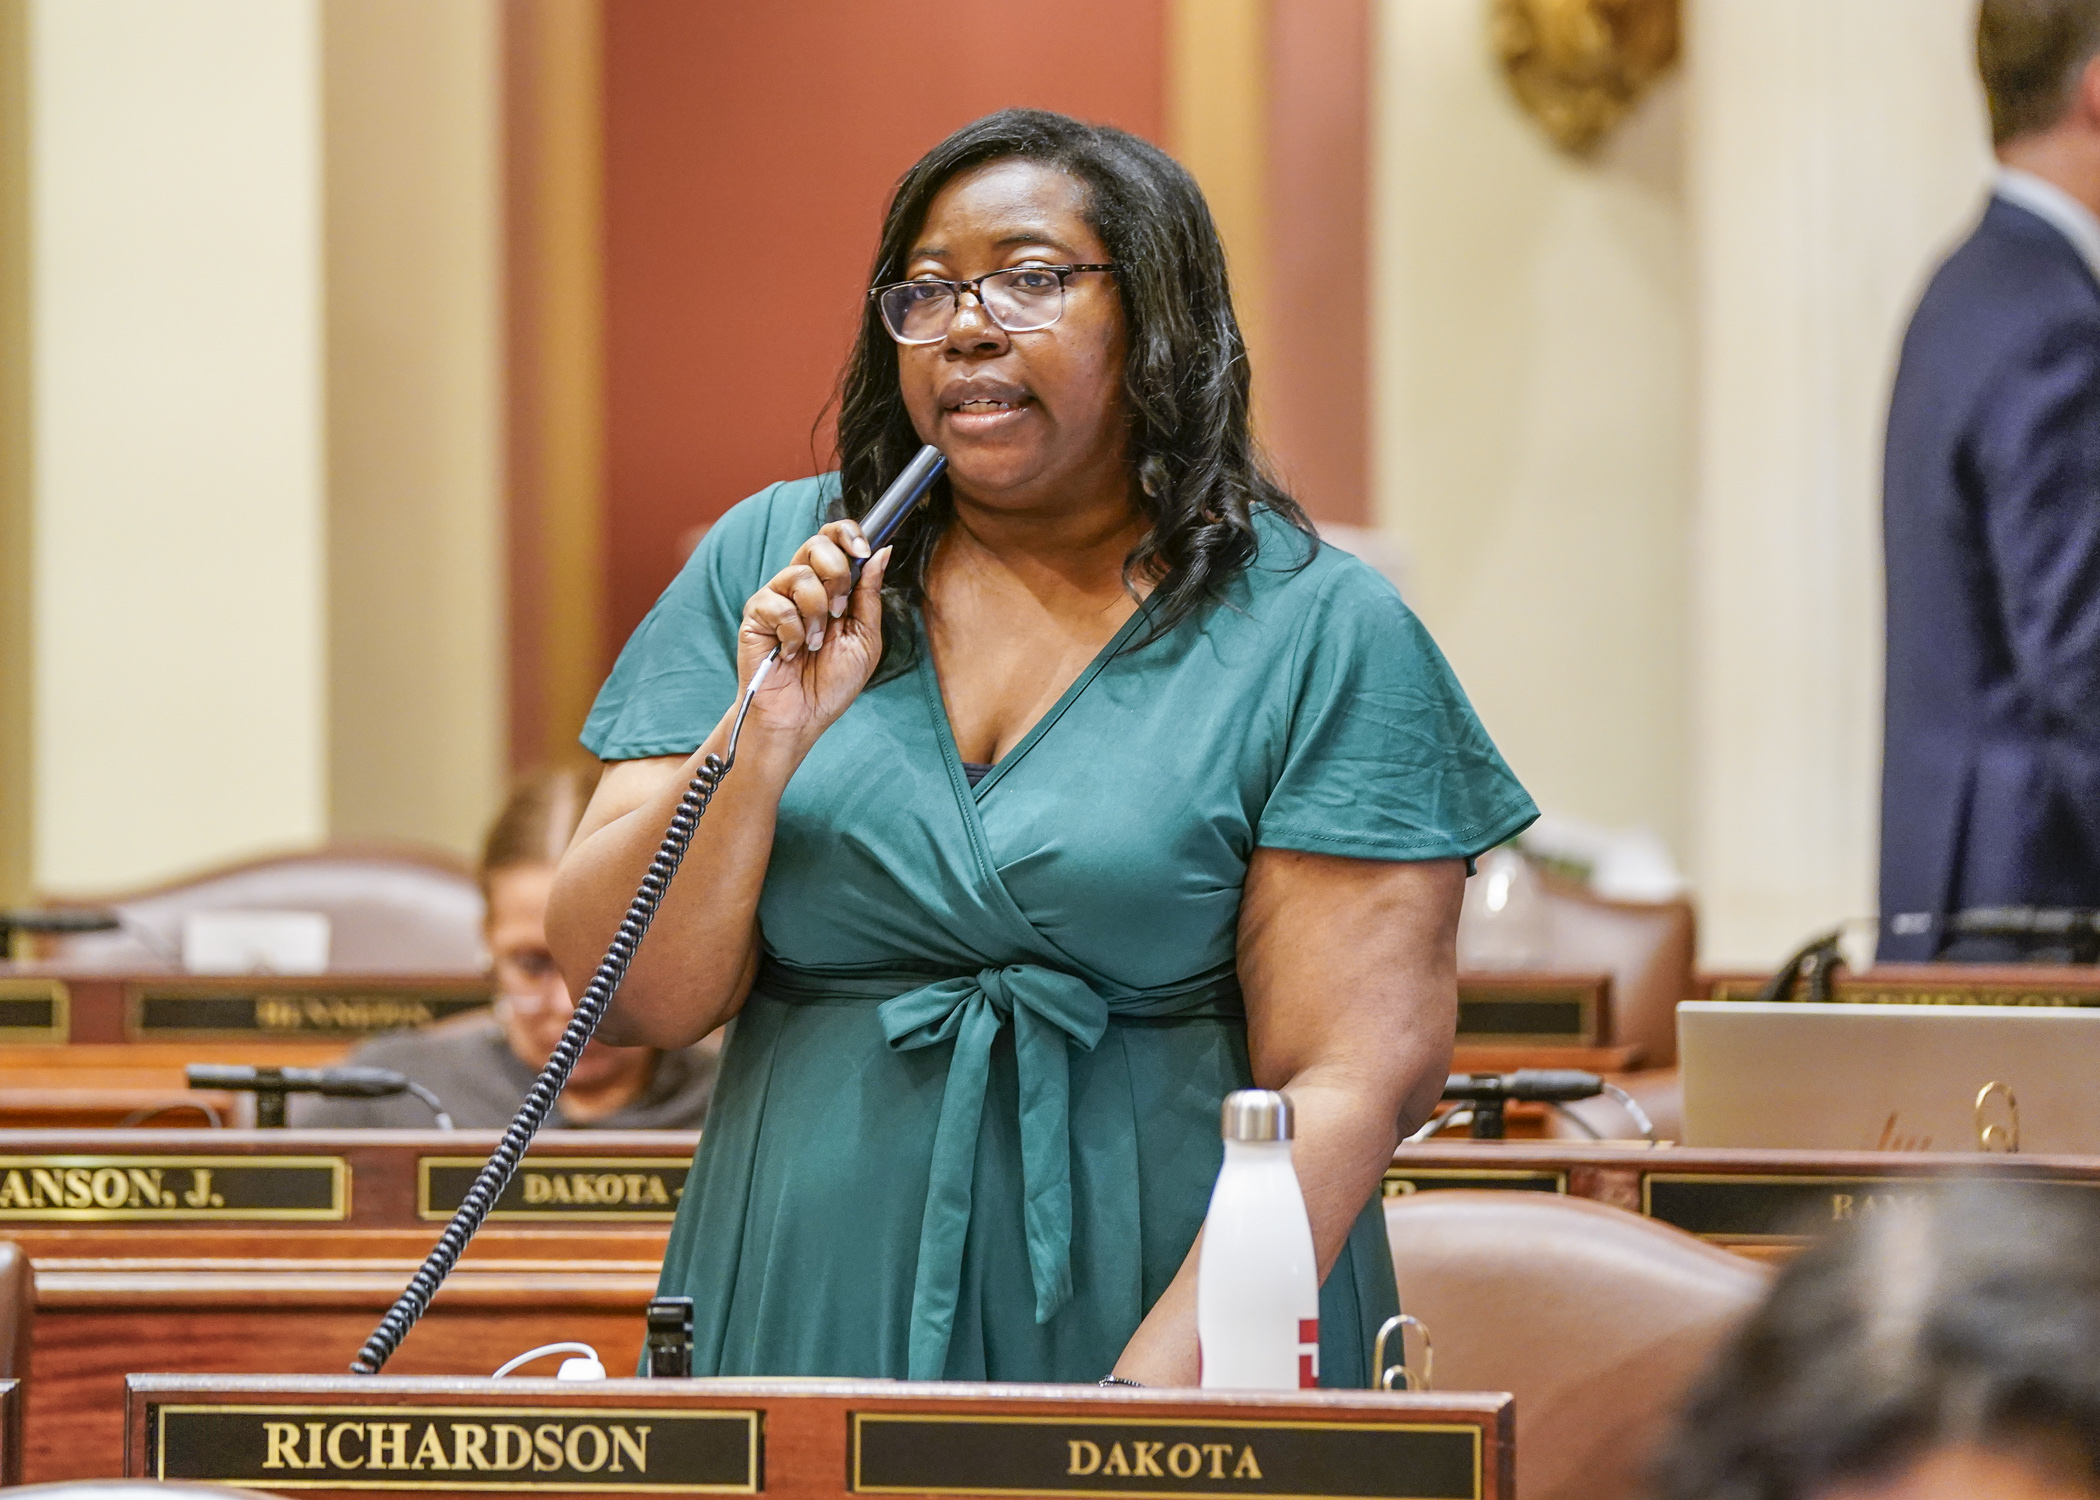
pixel 1648 947
pixel 1595 1319
pixel 391 909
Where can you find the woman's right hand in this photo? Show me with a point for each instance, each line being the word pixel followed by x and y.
pixel 829 633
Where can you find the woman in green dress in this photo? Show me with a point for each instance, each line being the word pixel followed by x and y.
pixel 1107 791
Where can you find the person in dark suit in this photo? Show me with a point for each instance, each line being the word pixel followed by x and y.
pixel 1991 516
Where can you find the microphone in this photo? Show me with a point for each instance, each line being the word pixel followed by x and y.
pixel 888 512
pixel 1527 1085
pixel 1487 1095
pixel 270 1085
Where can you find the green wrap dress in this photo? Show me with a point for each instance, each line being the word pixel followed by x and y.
pixel 967 1122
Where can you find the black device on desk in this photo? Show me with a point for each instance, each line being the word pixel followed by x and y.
pixel 270 1085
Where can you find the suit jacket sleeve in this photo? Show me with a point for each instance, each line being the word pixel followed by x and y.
pixel 2038 453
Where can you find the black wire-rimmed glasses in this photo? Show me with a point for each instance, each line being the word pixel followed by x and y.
pixel 1021 299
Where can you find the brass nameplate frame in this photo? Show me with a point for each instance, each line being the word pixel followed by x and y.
pixel 940 1454
pixel 602 1189
pixel 448 1449
pixel 1865 989
pixel 118 1189
pixel 1785 1210
pixel 1399 1182
pixel 238 1007
pixel 1530 1015
pixel 35 1012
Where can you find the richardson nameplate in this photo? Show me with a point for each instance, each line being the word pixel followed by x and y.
pixel 1782 1210
pixel 105 1189
pixel 1401 1181
pixel 629 1189
pixel 449 1449
pixel 237 1008
pixel 921 1454
pixel 35 1012
pixel 1527 1015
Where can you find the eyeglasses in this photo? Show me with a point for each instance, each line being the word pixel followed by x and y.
pixel 1021 300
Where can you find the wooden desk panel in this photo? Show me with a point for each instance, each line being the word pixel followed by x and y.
pixel 196 1292
pixel 55 1004
pixel 800 1440
pixel 1758 1203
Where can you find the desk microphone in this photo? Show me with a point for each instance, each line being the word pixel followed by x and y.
pixel 1487 1095
pixel 270 1085
pixel 878 526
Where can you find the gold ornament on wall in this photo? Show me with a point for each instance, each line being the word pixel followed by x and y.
pixel 1578 66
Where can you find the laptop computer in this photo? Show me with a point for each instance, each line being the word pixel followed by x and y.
pixel 1888 1077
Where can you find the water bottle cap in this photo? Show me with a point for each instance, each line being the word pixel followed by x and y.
pixel 1257 1115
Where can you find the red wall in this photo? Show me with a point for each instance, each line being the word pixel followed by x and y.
pixel 749 152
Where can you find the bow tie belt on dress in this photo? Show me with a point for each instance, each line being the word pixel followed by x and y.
pixel 1051 1012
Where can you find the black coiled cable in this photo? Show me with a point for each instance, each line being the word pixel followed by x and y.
pixel 495 1176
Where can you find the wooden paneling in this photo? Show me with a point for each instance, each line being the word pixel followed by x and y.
pixel 811 1439
pixel 193 1294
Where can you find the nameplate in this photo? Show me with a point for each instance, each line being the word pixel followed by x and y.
pixel 911 1453
pixel 632 1189
pixel 1399 1182
pixel 237 1008
pixel 1868 990
pixel 446 1450
pixel 1783 1210
pixel 107 1189
pixel 34 1012
pixel 1527 1014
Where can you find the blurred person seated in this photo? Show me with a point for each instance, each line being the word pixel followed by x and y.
pixel 1947 1345
pixel 480 1065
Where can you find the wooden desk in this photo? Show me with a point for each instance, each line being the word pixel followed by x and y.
pixel 50 1005
pixel 1935 984
pixel 1763 1204
pixel 800 1440
pixel 284 1256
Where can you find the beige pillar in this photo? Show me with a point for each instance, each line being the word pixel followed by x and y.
pixel 1837 150
pixel 415 464
pixel 17 772
pixel 1531 413
pixel 179 612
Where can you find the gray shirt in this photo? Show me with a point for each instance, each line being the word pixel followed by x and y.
pixel 481 1081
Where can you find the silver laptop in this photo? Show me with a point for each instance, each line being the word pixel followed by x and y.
pixel 1888 1077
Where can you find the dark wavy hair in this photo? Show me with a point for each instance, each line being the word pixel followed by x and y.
pixel 1969 1315
pixel 1199 478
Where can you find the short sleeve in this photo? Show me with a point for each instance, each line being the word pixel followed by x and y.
pixel 676 676
pixel 1383 756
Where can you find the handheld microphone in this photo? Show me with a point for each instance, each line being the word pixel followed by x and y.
pixel 905 491
pixel 270 1085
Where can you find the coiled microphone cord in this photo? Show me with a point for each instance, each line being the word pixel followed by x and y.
pixel 495 1176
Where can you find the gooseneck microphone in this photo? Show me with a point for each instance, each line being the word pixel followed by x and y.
pixel 270 1085
pixel 878 527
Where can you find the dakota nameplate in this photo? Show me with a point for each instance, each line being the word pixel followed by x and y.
pixel 1785 1209
pixel 910 1453
pixel 629 1189
pixel 1399 1182
pixel 107 1189
pixel 449 1449
pixel 277 1007
pixel 34 1011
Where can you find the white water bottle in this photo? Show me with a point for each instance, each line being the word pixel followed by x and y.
pixel 1257 1283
